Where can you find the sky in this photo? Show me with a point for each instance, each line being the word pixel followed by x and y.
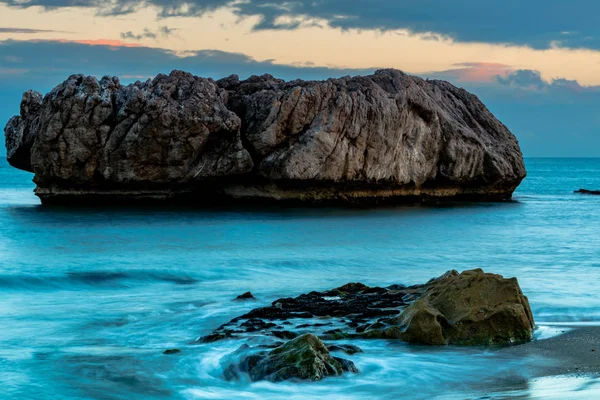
pixel 535 63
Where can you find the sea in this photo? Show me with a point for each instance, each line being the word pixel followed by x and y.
pixel 91 297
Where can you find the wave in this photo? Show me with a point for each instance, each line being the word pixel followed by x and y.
pixel 104 279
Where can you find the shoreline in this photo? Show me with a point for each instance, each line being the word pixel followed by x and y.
pixel 576 351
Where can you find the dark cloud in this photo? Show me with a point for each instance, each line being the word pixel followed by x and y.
pixel 556 118
pixel 106 7
pixel 529 80
pixel 524 79
pixel 50 61
pixel 118 7
pixel 536 23
pixel 132 36
pixel 163 32
pixel 27 30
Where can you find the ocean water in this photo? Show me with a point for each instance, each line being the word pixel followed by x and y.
pixel 90 298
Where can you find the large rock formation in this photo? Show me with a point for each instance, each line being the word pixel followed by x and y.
pixel 384 136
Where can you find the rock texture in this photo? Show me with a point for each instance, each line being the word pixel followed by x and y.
pixel 470 308
pixel 304 358
pixel 385 136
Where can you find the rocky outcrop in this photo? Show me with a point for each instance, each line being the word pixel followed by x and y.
pixel 304 358
pixel 470 308
pixel 388 136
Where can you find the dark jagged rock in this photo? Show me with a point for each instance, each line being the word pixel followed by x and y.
pixel 356 302
pixel 284 334
pixel 349 349
pixel 473 307
pixel 245 296
pixel 303 358
pixel 585 191
pixel 362 302
pixel 215 336
pixel 178 137
pixel 255 325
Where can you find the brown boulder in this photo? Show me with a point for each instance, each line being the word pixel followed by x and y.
pixel 470 308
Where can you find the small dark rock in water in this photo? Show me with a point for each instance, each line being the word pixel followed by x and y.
pixel 214 337
pixel 171 351
pixel 245 296
pixel 304 358
pixel 284 334
pixel 349 349
pixel 396 287
pixel 335 334
pixel 585 191
pixel 255 325
pixel 313 325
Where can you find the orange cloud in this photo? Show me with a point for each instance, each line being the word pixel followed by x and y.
pixel 481 71
pixel 93 42
pixel 477 71
pixel 106 42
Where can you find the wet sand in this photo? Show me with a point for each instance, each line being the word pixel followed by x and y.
pixel 574 352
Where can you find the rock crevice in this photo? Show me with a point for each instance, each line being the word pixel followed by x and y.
pixel 388 136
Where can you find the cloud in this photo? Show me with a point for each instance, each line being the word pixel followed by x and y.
pixel 49 62
pixel 28 31
pixel 107 7
pixel 131 36
pixel 526 79
pixel 110 43
pixel 551 118
pixel 535 23
pixel 163 32
pixel 474 72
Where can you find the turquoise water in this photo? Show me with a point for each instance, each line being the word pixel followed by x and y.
pixel 89 298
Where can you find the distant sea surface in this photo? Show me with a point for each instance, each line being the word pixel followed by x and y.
pixel 90 298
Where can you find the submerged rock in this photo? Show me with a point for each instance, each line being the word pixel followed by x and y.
pixel 303 358
pixel 471 308
pixel 585 191
pixel 245 296
pixel 169 352
pixel 349 349
pixel 178 137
